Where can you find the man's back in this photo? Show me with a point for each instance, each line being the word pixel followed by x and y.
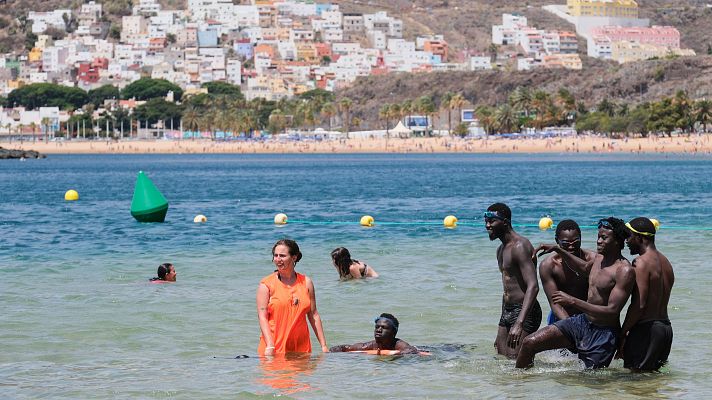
pixel 655 270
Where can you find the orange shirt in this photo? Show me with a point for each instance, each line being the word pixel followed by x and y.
pixel 286 314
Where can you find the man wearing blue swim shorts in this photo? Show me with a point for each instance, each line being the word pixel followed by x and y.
pixel 594 334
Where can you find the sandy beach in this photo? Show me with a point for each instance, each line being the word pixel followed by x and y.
pixel 583 144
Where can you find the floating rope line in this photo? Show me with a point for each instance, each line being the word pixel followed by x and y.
pixel 437 223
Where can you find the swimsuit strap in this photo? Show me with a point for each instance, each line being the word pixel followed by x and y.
pixel 365 268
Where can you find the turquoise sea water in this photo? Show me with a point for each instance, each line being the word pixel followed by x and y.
pixel 79 320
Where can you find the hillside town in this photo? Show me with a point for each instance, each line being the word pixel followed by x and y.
pixel 277 49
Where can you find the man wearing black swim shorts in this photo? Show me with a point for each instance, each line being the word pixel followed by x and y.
pixel 646 337
pixel 594 334
pixel 521 313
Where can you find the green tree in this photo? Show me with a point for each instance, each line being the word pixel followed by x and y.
pixel 461 129
pixel 148 88
pixel 426 106
pixel 115 32
pixel 106 92
pixel 446 106
pixel 506 119
pixel 385 113
pixel 157 109
pixel 703 113
pixel 48 95
pixel 30 39
pixel 223 88
pixel 321 95
pixel 521 100
pixel 328 110
pixel 486 116
pixel 191 118
pixel 345 105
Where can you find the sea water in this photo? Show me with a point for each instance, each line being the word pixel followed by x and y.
pixel 78 318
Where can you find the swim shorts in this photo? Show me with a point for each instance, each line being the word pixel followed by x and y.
pixel 596 345
pixel 510 313
pixel 648 345
pixel 551 318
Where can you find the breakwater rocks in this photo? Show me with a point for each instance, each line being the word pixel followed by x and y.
pixel 6 154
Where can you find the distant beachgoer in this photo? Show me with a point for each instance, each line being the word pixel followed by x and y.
pixel 166 273
pixel 349 268
pixel 646 337
pixel 556 274
pixel 521 312
pixel 594 333
pixel 285 301
pixel 384 338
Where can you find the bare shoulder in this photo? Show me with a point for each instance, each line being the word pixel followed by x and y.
pixel 589 255
pixel 625 270
pixel 547 265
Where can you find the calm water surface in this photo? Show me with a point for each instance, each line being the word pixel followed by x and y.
pixel 79 319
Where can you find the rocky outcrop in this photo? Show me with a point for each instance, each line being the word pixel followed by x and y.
pixel 9 153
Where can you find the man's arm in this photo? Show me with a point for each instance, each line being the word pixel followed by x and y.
pixel 404 348
pixel 521 254
pixel 640 296
pixel 546 273
pixel 583 266
pixel 351 347
pixel 625 280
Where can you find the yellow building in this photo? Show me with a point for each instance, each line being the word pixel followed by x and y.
pixel 603 8
pixel 35 55
pixel 623 51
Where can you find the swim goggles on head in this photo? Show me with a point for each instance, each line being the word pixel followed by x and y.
pixel 604 223
pixel 390 322
pixel 627 224
pixel 494 215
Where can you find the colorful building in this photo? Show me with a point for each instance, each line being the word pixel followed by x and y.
pixel 665 36
pixel 603 8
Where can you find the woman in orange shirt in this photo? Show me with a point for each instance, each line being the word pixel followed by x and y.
pixel 284 299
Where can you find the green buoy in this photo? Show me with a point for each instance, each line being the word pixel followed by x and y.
pixel 148 204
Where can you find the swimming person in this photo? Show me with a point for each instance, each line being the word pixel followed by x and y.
pixel 556 274
pixel 594 333
pixel 166 273
pixel 349 268
pixel 646 336
pixel 384 338
pixel 285 300
pixel 521 313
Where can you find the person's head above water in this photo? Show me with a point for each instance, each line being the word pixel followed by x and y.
pixel 286 255
pixel 341 258
pixel 642 233
pixel 498 220
pixel 618 229
pixel 568 235
pixel 386 327
pixel 166 272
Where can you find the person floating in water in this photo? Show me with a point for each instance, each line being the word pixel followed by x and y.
pixel 384 339
pixel 594 333
pixel 349 268
pixel 521 312
pixel 646 336
pixel 556 274
pixel 166 273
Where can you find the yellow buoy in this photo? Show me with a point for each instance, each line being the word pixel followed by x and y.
pixel 366 220
pixel 280 219
pixel 200 218
pixel 450 221
pixel 71 195
pixel 546 223
pixel 656 223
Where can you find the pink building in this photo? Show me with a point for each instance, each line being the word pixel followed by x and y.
pixel 663 36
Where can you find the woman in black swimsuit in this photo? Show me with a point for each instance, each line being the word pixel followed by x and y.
pixel 349 268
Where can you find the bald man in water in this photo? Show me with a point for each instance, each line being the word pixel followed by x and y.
pixel 646 337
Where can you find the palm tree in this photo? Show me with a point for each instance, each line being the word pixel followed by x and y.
pixel 542 104
pixel 456 103
pixel 385 113
pixel 683 107
pixel 426 106
pixel 521 100
pixel 506 119
pixel 486 116
pixel 445 106
pixel 191 119
pixel 45 128
pixel 345 106
pixel 703 113
pixel 328 110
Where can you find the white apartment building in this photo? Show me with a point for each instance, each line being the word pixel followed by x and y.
pixel 43 20
pixel 54 58
pixel 507 33
pixel 480 63
pixel 377 39
pixel 331 35
pixel 345 48
pixel 233 71
pixel 133 27
pixel 287 50
pixel 600 47
pixel 531 40
pixel 146 7
pixel 400 46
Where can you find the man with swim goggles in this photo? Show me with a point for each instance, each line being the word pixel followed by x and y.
pixel 384 335
pixel 646 336
pixel 594 333
pixel 559 273
pixel 521 313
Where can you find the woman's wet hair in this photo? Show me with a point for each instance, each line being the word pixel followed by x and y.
pixel 291 245
pixel 619 230
pixel 163 270
pixel 567 225
pixel 342 260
